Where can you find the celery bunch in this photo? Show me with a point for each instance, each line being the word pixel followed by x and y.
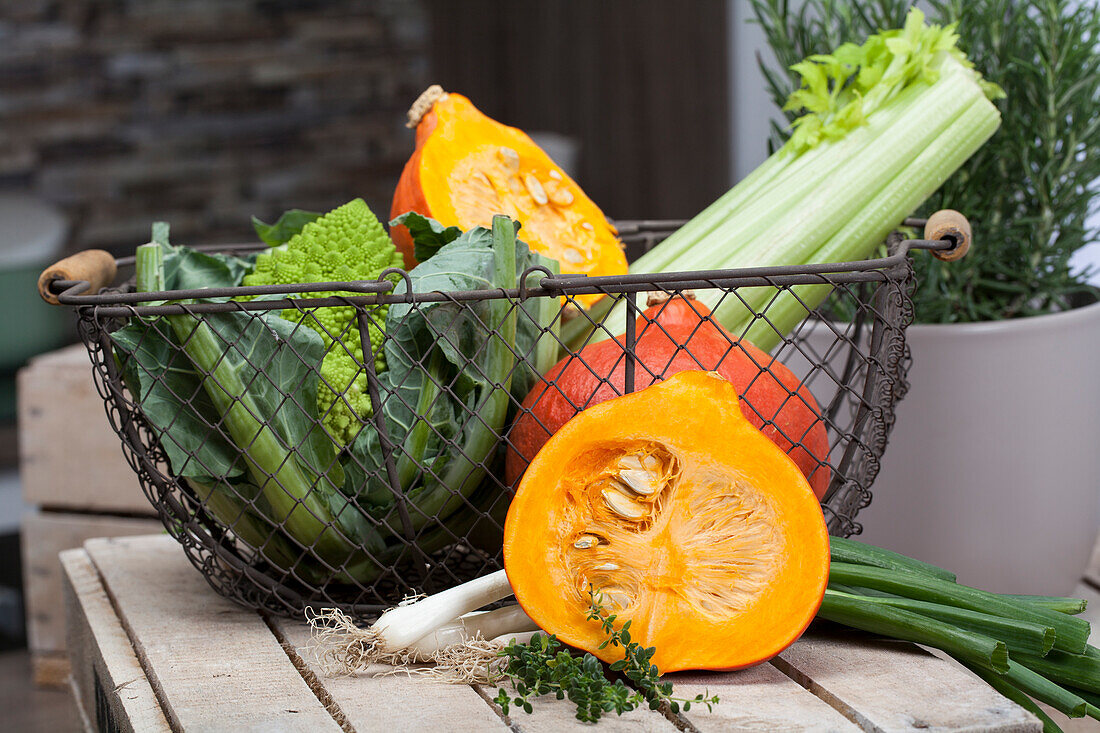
pixel 884 125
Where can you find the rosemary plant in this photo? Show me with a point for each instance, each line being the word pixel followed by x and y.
pixel 1029 192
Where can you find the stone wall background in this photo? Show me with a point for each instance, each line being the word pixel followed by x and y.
pixel 203 113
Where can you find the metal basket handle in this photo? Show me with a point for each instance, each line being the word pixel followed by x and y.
pixel 96 267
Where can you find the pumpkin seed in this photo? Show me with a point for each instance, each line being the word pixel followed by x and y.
pixel 586 541
pixel 562 197
pixel 640 481
pixel 618 502
pixel 509 157
pixel 538 193
pixel 569 254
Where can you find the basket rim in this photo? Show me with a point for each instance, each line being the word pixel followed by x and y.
pixel 381 291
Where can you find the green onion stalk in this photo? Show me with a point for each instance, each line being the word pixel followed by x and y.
pixel 1029 648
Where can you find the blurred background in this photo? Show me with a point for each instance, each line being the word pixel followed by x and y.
pixel 203 113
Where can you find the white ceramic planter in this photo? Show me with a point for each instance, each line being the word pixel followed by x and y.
pixel 993 467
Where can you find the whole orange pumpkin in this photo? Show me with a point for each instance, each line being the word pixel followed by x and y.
pixel 674 336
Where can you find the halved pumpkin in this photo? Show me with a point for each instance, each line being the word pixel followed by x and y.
pixel 467 167
pixel 681 517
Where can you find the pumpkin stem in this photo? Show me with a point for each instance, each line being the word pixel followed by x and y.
pixel 423 103
pixel 660 296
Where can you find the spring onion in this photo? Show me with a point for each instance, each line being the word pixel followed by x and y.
pixel 842 549
pixel 1071 632
pixel 1061 604
pixel 1017 634
pixel 853 611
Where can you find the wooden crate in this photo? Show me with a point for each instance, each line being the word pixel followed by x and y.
pixel 43 535
pixel 72 468
pixel 153 648
pixel 69 457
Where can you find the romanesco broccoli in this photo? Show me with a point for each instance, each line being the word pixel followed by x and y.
pixel 348 243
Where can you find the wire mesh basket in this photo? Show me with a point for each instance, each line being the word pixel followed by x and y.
pixel 416 501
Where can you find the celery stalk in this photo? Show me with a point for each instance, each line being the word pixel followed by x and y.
pixel 868 227
pixel 890 120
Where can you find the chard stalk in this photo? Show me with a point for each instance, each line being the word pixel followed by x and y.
pixel 291 491
pixel 467 467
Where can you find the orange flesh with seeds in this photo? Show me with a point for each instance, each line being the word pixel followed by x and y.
pixel 720 562
pixel 467 168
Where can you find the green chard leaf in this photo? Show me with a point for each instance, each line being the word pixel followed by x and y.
pixel 282 231
pixel 428 235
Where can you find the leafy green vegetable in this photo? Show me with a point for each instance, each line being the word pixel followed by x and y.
pixel 242 369
pixel 428 235
pixel 451 368
pixel 346 244
pixel 269 467
pixel 288 225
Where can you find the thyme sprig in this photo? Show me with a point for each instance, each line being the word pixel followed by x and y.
pixel 544 666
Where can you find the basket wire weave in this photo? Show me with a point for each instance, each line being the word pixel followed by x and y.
pixel 850 352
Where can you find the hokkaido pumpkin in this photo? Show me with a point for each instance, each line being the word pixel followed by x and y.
pixel 676 335
pixel 674 512
pixel 466 167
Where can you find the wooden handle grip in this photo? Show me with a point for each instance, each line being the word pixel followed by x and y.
pixel 94 265
pixel 951 225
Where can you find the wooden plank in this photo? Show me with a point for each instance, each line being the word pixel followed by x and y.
pixel 213 666
pixel 109 685
pixel 43 536
pixel 416 704
pixel 409 704
pixel 68 454
pixel 885 685
pixel 51 669
pixel 759 698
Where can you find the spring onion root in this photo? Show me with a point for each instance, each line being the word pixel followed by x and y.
pixel 445 629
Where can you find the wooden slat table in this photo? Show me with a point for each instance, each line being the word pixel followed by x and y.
pixel 153 648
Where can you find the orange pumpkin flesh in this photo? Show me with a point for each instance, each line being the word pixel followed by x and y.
pixel 467 167
pixel 720 563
